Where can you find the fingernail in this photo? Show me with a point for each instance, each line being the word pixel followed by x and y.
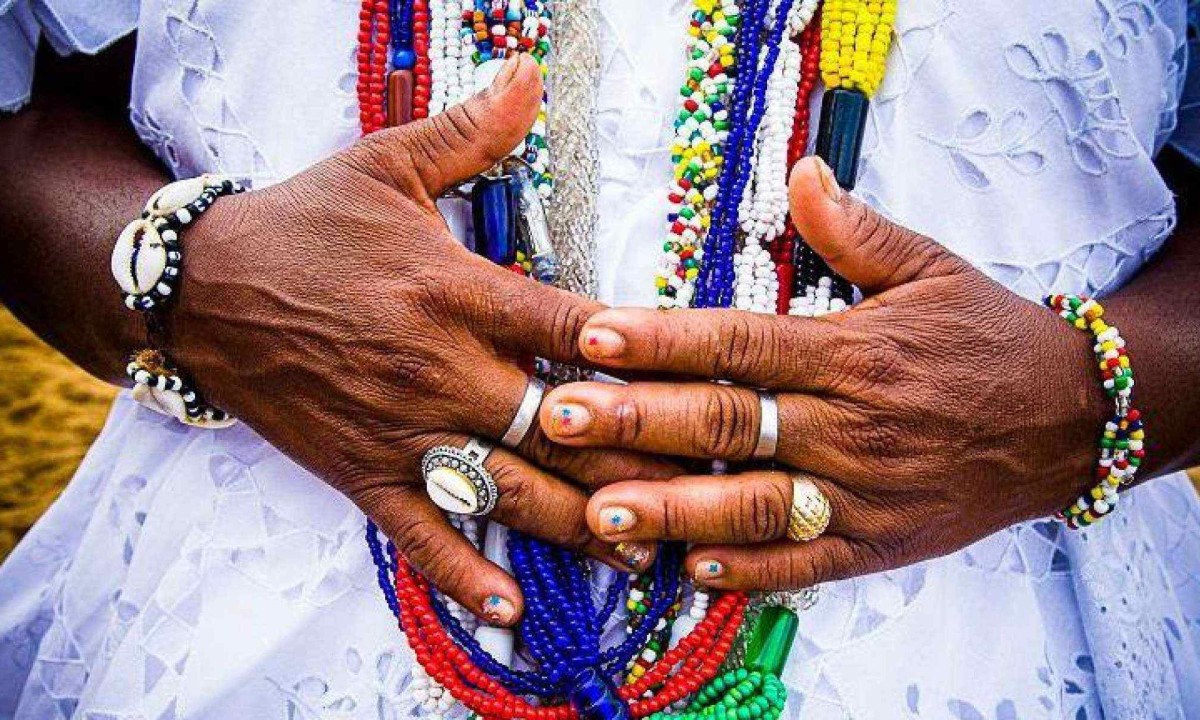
pixel 829 183
pixel 568 419
pixel 603 343
pixel 615 520
pixel 635 555
pixel 498 610
pixel 507 71
pixel 709 570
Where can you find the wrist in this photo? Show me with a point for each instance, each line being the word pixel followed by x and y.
pixel 196 328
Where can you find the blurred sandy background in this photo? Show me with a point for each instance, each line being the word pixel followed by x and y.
pixel 50 411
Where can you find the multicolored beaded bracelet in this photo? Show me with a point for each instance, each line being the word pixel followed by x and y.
pixel 1122 444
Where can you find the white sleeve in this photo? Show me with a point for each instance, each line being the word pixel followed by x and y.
pixel 70 26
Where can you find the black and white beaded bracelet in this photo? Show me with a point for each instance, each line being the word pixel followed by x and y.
pixel 147 264
pixel 147 258
pixel 160 387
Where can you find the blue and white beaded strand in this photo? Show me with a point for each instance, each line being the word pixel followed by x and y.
pixel 764 207
pixel 714 286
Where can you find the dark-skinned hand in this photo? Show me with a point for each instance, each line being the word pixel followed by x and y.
pixel 939 410
pixel 337 316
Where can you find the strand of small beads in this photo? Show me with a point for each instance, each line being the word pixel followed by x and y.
pixel 856 37
pixel 701 131
pixel 756 64
pixel 785 250
pixel 1122 448
pixel 679 673
pixel 763 212
pixel 497 29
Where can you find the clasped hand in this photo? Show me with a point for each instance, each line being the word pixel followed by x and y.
pixel 338 317
pixel 939 410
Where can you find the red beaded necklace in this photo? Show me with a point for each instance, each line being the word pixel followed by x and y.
pixel 680 672
pixel 677 673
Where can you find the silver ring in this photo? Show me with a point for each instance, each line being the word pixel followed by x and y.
pixel 768 428
pixel 457 481
pixel 526 414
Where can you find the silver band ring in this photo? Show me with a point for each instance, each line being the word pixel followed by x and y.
pixel 768 427
pixel 809 515
pixel 457 481
pixel 526 414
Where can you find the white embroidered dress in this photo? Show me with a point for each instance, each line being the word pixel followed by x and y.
pixel 193 574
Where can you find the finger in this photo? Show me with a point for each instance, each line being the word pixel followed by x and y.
pixel 698 420
pixel 543 506
pixel 524 316
pixel 857 242
pixel 425 158
pixel 783 565
pixel 422 534
pixel 768 351
pixel 487 405
pixel 752 507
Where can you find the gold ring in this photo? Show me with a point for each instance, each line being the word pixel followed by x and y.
pixel 810 512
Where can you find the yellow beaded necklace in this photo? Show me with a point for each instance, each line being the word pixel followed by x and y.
pixel 855 38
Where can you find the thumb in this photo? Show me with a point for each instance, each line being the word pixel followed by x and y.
pixel 858 243
pixel 427 157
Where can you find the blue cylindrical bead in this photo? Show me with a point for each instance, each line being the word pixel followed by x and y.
pixel 595 697
pixel 495 220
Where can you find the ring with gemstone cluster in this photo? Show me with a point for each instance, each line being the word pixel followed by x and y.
pixel 526 414
pixel 809 515
pixel 457 481
pixel 768 427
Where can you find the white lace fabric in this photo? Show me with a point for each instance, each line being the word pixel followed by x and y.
pixel 190 574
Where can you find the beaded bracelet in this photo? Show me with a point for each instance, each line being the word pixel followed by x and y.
pixel 147 256
pixel 1122 444
pixel 146 263
pixel 160 387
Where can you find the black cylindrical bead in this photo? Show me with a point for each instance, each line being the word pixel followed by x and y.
pixel 839 140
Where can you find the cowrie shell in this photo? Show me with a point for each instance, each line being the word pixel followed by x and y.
pixel 452 491
pixel 172 197
pixel 139 257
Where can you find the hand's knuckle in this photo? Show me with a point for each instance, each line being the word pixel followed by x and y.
pixel 725 430
pixel 876 440
pixel 677 519
pixel 516 486
pixel 762 509
pixel 868 364
pixel 552 456
pixel 743 346
pixel 628 420
pixel 567 324
pixel 789 571
pixel 415 539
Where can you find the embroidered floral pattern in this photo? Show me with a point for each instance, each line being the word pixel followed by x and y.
pixel 1080 90
pixel 980 140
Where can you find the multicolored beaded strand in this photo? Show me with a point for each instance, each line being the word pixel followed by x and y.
pixel 764 207
pixel 1122 445
pixel 701 131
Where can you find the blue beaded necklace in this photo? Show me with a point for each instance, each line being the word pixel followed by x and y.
pixel 562 629
pixel 714 286
pixel 403 55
